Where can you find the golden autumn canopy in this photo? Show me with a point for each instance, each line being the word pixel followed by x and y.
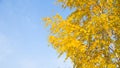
pixel 90 35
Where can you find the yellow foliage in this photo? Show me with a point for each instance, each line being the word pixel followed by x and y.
pixel 87 33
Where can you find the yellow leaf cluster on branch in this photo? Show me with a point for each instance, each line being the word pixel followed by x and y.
pixel 90 35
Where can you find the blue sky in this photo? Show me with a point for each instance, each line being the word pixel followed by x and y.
pixel 23 37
